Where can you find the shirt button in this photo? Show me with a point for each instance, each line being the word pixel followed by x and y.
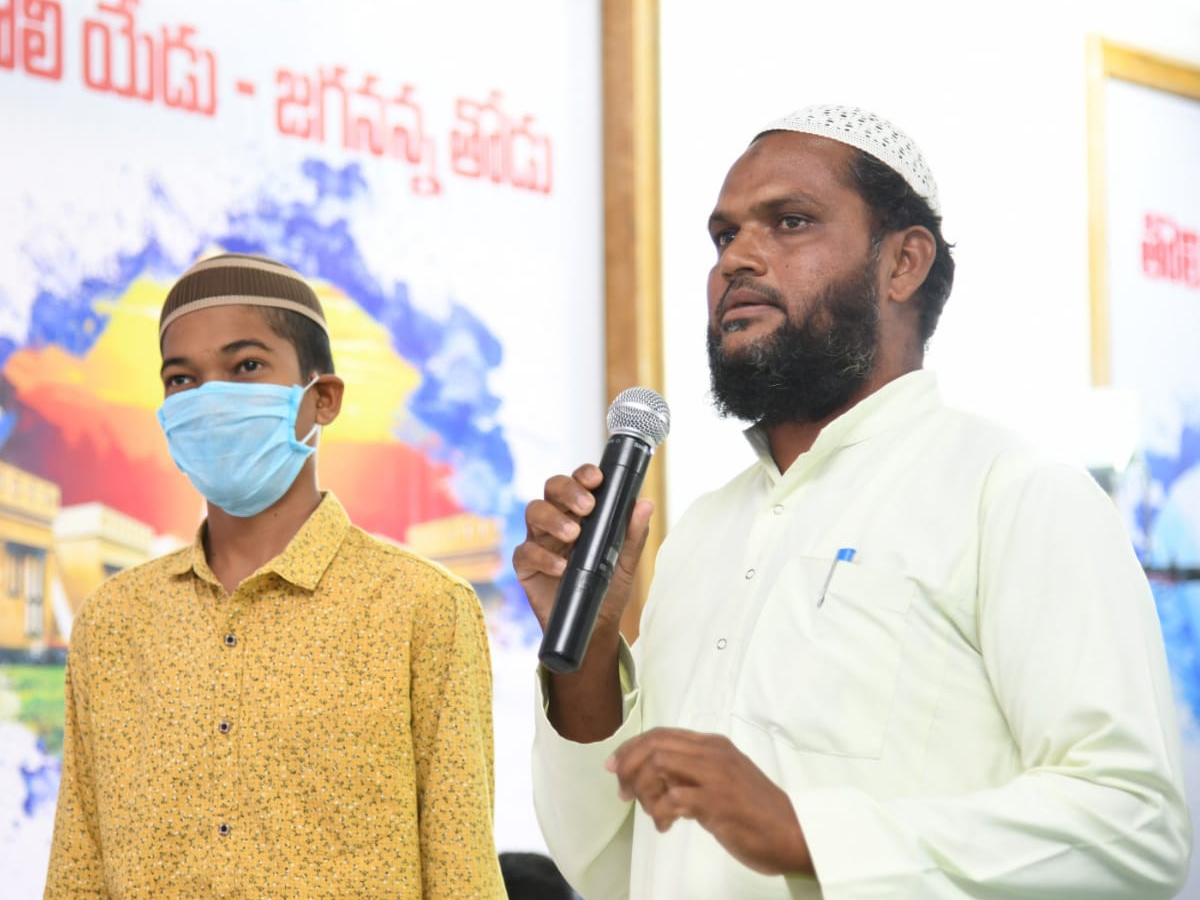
pixel 224 727
pixel 722 643
pixel 749 574
pixel 223 829
pixel 231 640
pixel 777 509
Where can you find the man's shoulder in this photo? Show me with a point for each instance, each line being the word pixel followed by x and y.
pixel 991 437
pixel 985 433
pixel 1002 456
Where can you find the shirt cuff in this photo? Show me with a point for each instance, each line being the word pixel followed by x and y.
pixel 576 799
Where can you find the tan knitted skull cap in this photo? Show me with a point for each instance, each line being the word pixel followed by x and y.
pixel 870 133
pixel 240 279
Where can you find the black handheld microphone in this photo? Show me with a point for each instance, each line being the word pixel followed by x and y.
pixel 638 421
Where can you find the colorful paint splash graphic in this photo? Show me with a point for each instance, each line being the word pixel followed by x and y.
pixel 1167 524
pixel 417 443
pixel 417 440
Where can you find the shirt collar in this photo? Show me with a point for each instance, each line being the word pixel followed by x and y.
pixel 302 562
pixel 898 401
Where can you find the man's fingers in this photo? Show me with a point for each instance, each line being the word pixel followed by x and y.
pixel 634 753
pixel 661 772
pixel 545 520
pixel 677 801
pixel 554 520
pixel 662 820
pixel 678 774
pixel 530 559
pixel 672 803
pixel 635 538
pixel 589 476
pixel 571 493
pixel 658 760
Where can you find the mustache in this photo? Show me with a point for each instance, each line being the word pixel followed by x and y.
pixel 740 283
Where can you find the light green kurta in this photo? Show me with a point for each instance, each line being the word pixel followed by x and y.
pixel 980 708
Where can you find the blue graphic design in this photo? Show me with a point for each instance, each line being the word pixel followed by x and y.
pixel 41 782
pixel 1167 522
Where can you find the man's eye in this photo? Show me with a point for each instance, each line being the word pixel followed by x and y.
pixel 793 222
pixel 722 238
pixel 175 380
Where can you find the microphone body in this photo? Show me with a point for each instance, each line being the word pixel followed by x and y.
pixel 594 556
pixel 639 420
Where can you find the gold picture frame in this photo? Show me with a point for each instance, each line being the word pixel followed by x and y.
pixel 1107 61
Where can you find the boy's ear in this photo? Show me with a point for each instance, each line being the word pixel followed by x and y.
pixel 328 391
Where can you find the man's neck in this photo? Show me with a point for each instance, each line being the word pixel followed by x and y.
pixel 788 440
pixel 237 547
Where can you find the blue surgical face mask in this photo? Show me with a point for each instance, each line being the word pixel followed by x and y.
pixel 237 442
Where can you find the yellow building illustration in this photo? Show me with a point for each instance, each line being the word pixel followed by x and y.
pixel 53 558
pixel 94 541
pixel 466 544
pixel 28 508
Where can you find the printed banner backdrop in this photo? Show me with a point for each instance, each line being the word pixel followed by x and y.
pixel 1152 215
pixel 433 169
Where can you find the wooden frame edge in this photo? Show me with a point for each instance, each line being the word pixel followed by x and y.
pixel 632 230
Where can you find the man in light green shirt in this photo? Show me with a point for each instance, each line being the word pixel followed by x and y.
pixel 901 655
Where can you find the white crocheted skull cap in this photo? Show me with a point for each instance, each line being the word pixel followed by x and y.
pixel 868 132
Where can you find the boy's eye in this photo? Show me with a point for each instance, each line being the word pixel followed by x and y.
pixel 249 365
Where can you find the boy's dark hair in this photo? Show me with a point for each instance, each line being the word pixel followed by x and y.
pixel 310 340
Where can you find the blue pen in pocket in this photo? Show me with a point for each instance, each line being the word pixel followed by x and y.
pixel 844 555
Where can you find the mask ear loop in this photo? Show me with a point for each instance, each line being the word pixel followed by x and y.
pixel 316 429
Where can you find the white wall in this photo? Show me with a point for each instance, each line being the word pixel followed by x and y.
pixel 994 95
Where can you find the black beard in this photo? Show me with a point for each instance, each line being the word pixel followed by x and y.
pixel 808 368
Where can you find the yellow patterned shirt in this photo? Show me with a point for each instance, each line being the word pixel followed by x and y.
pixel 324 731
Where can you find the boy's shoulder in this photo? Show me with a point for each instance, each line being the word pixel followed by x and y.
pixel 362 547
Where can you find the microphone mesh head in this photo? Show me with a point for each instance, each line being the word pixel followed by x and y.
pixel 640 413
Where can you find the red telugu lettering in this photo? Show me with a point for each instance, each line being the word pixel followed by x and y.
pixel 1169 252
pixel 488 144
pixel 31 37
pixel 119 59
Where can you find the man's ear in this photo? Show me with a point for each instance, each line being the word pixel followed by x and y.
pixel 912 252
pixel 328 392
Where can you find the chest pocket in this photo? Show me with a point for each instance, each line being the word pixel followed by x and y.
pixel 823 679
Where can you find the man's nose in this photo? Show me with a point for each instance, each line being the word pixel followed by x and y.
pixel 743 254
